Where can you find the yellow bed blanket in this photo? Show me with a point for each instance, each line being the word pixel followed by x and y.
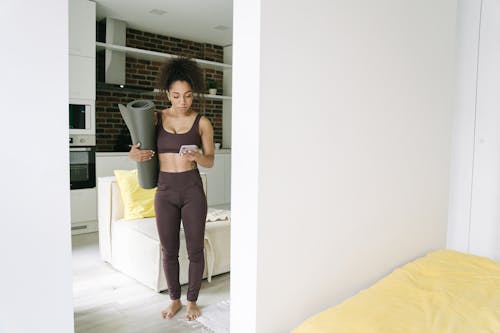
pixel 445 291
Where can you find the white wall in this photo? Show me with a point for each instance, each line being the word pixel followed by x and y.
pixel 474 212
pixel 485 208
pixel 353 138
pixel 462 157
pixel 35 240
pixel 244 164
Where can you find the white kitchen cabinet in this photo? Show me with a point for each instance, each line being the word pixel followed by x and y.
pixel 83 210
pixel 82 22
pixel 227 178
pixel 219 179
pixel 216 180
pixel 83 205
pixel 81 77
pixel 227 105
pixel 106 163
pixel 82 49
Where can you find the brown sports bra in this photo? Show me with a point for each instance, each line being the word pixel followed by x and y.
pixel 167 142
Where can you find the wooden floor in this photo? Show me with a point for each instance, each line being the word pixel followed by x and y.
pixel 107 301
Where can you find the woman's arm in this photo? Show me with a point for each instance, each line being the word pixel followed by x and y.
pixel 140 155
pixel 143 155
pixel 206 159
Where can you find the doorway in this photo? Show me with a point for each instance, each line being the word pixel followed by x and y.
pixel 107 295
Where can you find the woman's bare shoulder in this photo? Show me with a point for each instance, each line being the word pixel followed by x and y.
pixel 205 125
pixel 204 120
pixel 157 115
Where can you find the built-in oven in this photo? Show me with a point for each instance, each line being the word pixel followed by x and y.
pixel 81 116
pixel 82 161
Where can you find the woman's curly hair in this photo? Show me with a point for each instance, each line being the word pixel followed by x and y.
pixel 181 69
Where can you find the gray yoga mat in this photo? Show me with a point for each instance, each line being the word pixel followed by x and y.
pixel 138 116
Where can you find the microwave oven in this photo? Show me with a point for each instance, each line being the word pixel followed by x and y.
pixel 81 116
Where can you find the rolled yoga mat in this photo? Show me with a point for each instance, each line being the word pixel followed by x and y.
pixel 138 116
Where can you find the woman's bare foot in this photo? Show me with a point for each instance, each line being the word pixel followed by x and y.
pixel 193 311
pixel 172 309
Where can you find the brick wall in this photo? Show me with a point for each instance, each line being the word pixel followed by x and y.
pixel 111 132
pixel 166 44
pixel 143 73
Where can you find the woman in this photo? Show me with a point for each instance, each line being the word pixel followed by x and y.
pixel 180 192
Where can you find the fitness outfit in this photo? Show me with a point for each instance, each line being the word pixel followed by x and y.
pixel 171 143
pixel 180 196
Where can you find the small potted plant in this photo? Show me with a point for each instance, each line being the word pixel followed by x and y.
pixel 212 87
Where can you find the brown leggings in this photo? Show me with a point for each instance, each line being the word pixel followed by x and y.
pixel 180 196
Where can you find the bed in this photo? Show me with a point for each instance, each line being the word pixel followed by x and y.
pixel 445 291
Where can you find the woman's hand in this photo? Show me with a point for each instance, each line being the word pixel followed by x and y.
pixel 140 155
pixel 192 155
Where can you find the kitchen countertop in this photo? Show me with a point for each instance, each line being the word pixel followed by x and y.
pixel 124 153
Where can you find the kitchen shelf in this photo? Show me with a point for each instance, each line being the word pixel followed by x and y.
pixel 103 86
pixel 157 56
pixel 208 96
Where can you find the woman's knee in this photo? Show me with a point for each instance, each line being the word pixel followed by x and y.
pixel 170 254
pixel 196 255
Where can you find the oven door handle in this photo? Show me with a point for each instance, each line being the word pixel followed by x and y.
pixel 80 149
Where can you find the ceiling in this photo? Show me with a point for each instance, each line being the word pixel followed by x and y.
pixel 186 19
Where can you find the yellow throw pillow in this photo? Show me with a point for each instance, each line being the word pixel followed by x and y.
pixel 137 202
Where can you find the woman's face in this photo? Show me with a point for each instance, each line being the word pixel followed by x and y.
pixel 181 96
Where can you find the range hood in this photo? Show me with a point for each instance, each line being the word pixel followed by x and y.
pixel 114 61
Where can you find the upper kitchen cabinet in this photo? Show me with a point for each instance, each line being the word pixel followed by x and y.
pixel 82 49
pixel 82 28
pixel 81 77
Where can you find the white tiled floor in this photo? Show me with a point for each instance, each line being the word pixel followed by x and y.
pixel 107 301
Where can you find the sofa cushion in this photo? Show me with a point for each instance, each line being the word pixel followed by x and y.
pixel 137 202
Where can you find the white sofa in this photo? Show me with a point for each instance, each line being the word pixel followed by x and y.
pixel 133 247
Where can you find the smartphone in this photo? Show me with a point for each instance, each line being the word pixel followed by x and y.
pixel 186 148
